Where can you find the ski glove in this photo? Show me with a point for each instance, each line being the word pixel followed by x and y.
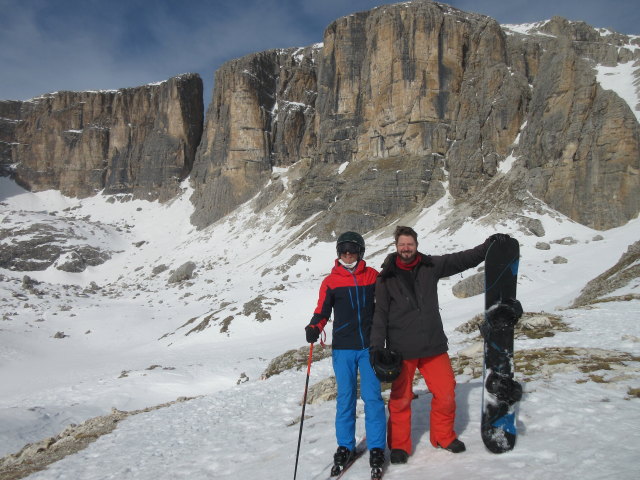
pixel 373 353
pixel 499 238
pixel 313 333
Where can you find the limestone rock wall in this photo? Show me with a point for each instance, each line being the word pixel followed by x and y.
pixel 581 145
pixel 9 119
pixel 140 141
pixel 418 98
pixel 398 106
pixel 262 115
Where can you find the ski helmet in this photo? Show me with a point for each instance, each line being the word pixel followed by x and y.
pixel 352 238
pixel 387 364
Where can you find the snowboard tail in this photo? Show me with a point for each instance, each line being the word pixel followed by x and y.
pixel 502 311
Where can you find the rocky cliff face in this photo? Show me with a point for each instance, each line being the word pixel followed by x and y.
pixel 140 141
pixel 416 99
pixel 581 145
pixel 398 107
pixel 9 114
pixel 262 115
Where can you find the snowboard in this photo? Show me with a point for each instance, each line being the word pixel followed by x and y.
pixel 502 311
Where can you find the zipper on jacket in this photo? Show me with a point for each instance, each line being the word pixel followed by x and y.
pixel 355 281
pixel 409 291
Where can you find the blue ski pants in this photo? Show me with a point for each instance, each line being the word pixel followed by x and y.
pixel 346 364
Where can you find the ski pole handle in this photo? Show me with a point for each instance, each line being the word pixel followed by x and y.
pixel 309 362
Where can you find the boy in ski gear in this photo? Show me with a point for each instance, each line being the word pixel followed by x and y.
pixel 407 319
pixel 348 292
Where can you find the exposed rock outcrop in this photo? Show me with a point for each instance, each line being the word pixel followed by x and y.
pixel 182 273
pixel 416 99
pixel 397 107
pixel 469 286
pixel 261 116
pixel 51 240
pixel 35 457
pixel 9 115
pixel 582 143
pixel 625 271
pixel 135 140
pixel 297 359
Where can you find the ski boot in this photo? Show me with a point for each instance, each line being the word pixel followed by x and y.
pixel 398 456
pixel 376 461
pixel 341 458
pixel 456 446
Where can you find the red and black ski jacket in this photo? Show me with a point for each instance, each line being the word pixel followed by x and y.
pixel 351 297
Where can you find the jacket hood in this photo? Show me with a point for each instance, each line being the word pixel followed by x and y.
pixel 389 267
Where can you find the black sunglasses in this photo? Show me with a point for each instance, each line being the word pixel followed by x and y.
pixel 348 247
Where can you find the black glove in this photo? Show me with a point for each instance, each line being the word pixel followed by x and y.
pixel 313 333
pixel 373 351
pixel 499 238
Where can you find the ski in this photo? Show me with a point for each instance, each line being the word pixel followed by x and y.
pixel 376 473
pixel 338 471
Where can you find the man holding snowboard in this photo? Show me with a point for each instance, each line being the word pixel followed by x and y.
pixel 407 320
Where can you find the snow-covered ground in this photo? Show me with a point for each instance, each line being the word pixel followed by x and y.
pixel 125 345
pixel 118 335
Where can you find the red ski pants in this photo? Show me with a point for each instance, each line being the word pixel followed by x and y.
pixel 441 382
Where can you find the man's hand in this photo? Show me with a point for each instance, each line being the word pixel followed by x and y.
pixel 499 238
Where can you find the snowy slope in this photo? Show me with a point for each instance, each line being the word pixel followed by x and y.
pixel 130 340
pixel 125 347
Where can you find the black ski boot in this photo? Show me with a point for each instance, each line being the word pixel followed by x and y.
pixel 455 447
pixel 398 456
pixel 341 458
pixel 376 461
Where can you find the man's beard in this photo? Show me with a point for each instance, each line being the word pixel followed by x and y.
pixel 408 257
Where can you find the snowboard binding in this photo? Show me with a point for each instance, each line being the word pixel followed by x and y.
pixel 504 388
pixel 501 317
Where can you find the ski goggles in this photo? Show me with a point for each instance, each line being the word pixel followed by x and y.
pixel 348 247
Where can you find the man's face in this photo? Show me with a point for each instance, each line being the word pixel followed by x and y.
pixel 407 248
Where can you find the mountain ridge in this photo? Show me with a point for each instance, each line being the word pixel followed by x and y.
pixel 412 99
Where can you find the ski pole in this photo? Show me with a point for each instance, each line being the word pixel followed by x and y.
pixel 304 404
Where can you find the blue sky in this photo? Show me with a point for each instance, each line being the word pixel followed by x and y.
pixel 49 45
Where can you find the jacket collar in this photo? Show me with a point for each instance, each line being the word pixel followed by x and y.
pixel 340 270
pixel 389 267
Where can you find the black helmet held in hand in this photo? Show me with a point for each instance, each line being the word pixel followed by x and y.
pixel 350 242
pixel 386 364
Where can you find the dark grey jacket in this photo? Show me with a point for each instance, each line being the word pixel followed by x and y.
pixel 410 320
